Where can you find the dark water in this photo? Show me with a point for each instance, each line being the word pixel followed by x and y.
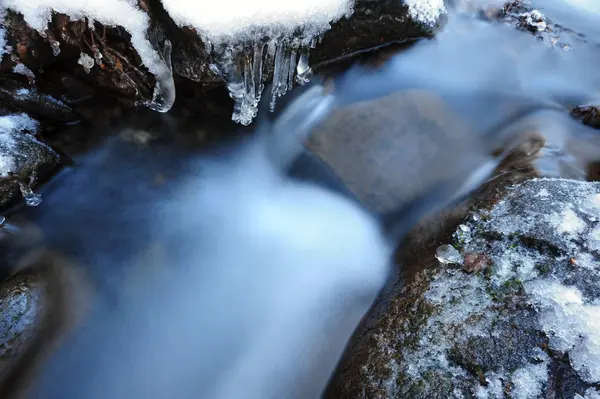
pixel 215 272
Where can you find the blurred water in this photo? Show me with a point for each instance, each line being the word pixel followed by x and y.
pixel 217 275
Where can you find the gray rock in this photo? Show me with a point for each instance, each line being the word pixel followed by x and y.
pixel 22 156
pixel 526 326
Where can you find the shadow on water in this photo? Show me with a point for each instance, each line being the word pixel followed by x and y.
pixel 404 123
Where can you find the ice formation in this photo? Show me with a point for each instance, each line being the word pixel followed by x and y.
pixel 2 39
pixel 244 36
pixel 21 69
pixel 571 324
pixel 37 13
pixel 86 62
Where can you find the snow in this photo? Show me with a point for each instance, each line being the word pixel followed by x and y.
pixel 22 69
pixel 10 124
pixel 570 223
pixel 428 12
pixel 37 13
pixel 2 40
pixel 235 19
pixel 529 380
pixel 18 122
pixel 590 393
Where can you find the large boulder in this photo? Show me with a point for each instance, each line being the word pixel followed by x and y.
pixel 511 309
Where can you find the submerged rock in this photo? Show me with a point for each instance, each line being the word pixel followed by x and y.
pixel 525 326
pixel 22 157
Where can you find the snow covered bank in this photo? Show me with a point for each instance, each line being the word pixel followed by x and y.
pixel 243 35
pixel 38 13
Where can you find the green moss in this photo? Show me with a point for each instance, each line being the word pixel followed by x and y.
pixel 542 268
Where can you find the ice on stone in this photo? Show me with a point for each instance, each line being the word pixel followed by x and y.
pixel 22 69
pixel 9 124
pixel 447 254
pixel 572 325
pixel 124 13
pixel 237 32
pixel 86 62
pixel 528 381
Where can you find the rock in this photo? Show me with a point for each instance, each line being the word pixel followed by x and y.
pixel 22 157
pixel 525 327
pixel 36 309
pixel 19 316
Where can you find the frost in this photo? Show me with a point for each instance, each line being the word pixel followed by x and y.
pixel 8 125
pixel 20 122
pixel 571 324
pixel 570 223
pixel 427 12
pixel 37 13
pixel 22 69
pixel 246 37
pixel 590 393
pixel 86 62
pixel 2 40
pixel 529 380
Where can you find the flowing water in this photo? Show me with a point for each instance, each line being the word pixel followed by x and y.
pixel 214 270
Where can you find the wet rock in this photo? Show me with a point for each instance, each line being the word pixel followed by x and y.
pixel 523 14
pixel 22 157
pixel 525 327
pixel 36 309
pixel 19 315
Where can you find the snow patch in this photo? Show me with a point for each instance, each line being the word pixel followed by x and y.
pixel 22 69
pixel 10 124
pixel 427 12
pixel 570 223
pixel 38 13
pixel 528 381
pixel 232 20
pixel 18 122
pixel 590 393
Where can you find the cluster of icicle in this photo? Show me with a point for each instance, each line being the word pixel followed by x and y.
pixel 241 67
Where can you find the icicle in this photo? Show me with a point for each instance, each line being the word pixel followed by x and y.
pixel 303 70
pixel 239 82
pixel 279 55
pixel 285 70
pixel 257 68
pixel 31 198
pixel 163 96
pixel 292 65
pixel 55 47
pixel 86 62
pixel 249 82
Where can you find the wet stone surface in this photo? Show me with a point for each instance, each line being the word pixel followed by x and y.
pixel 19 316
pixel 524 326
